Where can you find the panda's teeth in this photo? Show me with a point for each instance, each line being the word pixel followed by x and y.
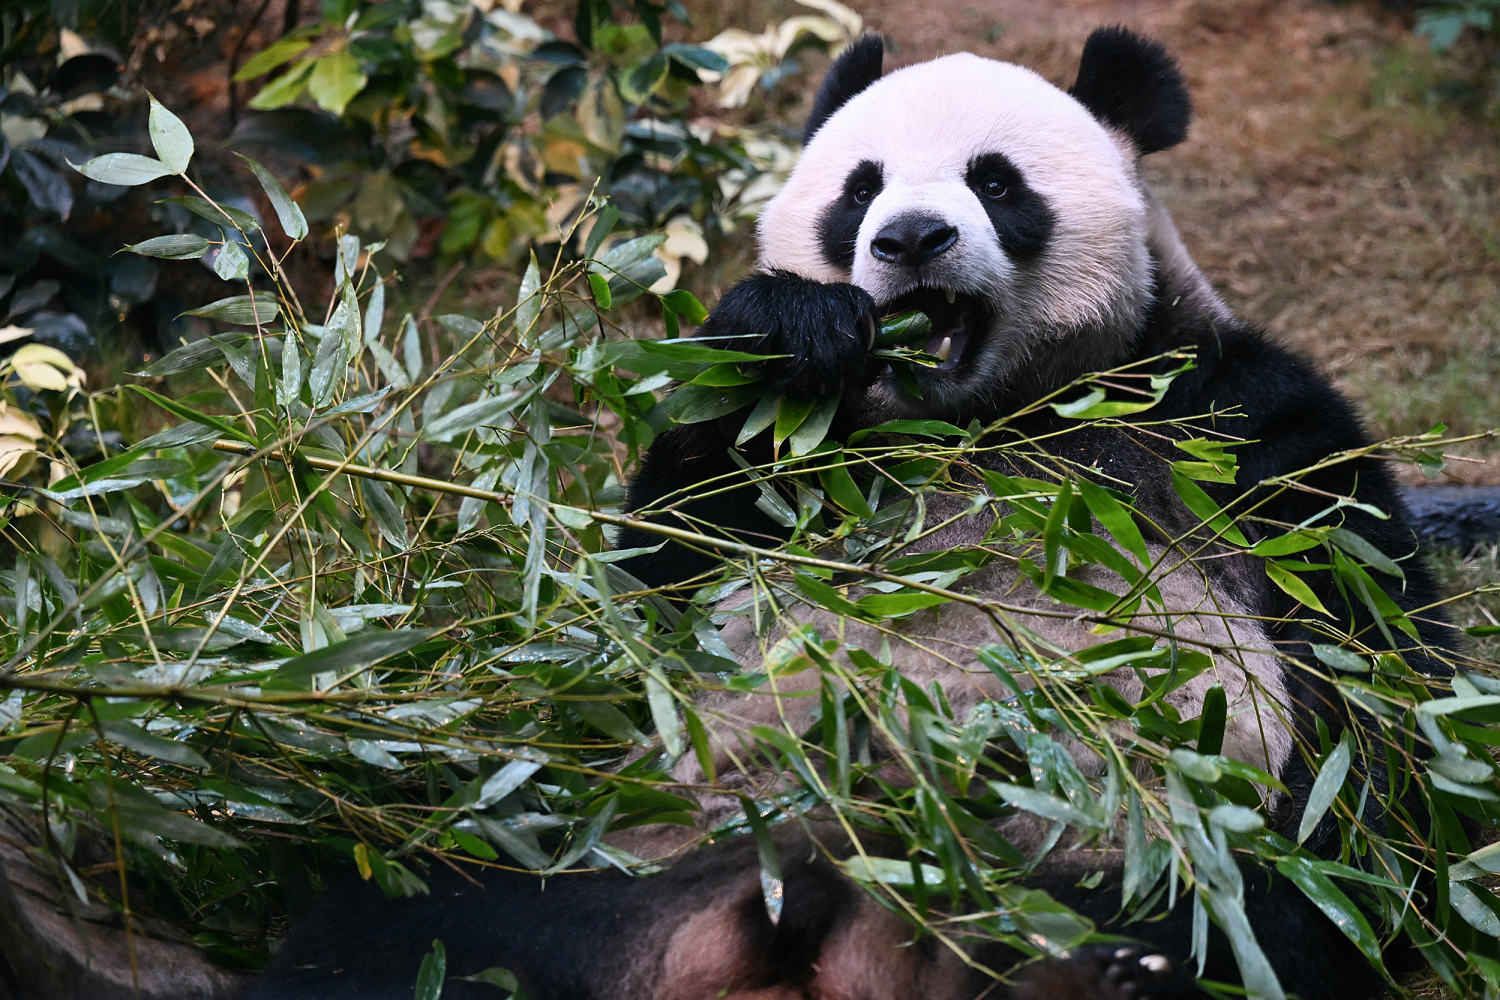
pixel 952 295
pixel 944 349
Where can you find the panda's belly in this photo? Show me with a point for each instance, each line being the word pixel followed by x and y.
pixel 941 646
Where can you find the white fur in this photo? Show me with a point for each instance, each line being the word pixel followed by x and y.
pixel 923 124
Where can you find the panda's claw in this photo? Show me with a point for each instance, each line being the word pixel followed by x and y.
pixel 1108 972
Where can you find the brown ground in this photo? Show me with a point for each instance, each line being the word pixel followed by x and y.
pixel 1326 189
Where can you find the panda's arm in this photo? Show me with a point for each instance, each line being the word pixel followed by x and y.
pixel 821 334
pixel 1292 420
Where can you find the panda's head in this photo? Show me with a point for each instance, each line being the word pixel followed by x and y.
pixel 1010 211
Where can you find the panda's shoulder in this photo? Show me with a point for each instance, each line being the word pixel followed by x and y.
pixel 1236 366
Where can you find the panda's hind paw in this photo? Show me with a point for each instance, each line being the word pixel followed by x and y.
pixel 1108 972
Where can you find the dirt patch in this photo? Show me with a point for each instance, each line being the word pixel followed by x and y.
pixel 1330 197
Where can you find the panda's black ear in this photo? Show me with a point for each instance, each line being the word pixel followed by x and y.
pixel 1130 83
pixel 856 68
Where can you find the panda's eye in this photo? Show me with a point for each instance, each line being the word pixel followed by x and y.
pixel 994 188
pixel 862 194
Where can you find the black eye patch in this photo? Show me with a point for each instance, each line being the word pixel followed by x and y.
pixel 838 226
pixel 1022 219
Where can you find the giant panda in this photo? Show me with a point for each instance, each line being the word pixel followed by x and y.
pixel 1014 215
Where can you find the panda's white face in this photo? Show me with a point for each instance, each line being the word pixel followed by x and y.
pixel 979 193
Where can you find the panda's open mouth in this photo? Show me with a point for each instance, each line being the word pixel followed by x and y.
pixel 959 321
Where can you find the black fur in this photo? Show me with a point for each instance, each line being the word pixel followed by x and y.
pixel 838 225
pixel 1133 85
pixel 1022 218
pixel 824 332
pixel 856 68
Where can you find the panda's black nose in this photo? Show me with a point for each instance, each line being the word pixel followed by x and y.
pixel 912 240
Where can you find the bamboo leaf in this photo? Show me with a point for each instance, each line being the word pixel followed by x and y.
pixel 231 263
pixel 184 246
pixel 170 138
pixel 349 656
pixel 1293 585
pixel 288 212
pixel 244 310
pixel 124 169
pixel 1326 787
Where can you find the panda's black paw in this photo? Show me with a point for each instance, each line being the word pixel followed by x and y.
pixel 825 331
pixel 1108 972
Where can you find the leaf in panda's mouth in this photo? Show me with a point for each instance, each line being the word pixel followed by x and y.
pixel 956 324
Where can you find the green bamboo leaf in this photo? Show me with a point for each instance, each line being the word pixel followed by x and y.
pixel 1211 721
pixel 664 714
pixel 762 416
pixel 345 323
pixel 288 212
pixel 387 513
pixel 599 285
pixel 1361 549
pixel 1116 517
pixel 177 409
pixel 529 301
pixel 349 656
pixel 1202 505
pixel 130 734
pixel 842 490
pixel 906 329
pixel 218 214
pixel 432 973
pixel 1340 658
pixel 1055 553
pixel 1044 805
pixel 184 246
pixel 169 137
pixel 825 595
pixel 498 786
pixel 329 365
pixel 124 169
pixel 1229 911
pixel 811 432
pixel 1288 544
pixel 604 224
pixel 1236 819
pixel 1467 902
pixel 1325 787
pixel 146 821
pixel 691 404
pixel 480 413
pixel 1310 876
pixel 231 263
pixel 685 305
pixel 289 386
pixel 790 413
pixel 335 79
pixel 244 310
pixel 1293 585
pixel 897 605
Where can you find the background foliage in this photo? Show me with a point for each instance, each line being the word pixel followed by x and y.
pixel 348 595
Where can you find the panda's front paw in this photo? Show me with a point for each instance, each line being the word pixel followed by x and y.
pixel 1107 972
pixel 824 330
